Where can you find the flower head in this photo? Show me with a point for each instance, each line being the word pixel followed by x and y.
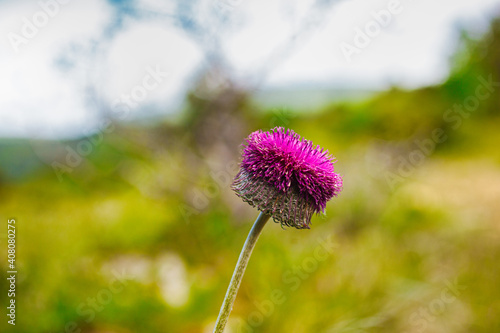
pixel 286 177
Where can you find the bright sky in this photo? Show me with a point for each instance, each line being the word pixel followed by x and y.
pixel 64 63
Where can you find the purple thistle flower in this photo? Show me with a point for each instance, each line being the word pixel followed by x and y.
pixel 286 177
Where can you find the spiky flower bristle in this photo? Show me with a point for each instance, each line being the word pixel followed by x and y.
pixel 286 177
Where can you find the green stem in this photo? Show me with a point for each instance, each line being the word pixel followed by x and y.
pixel 239 270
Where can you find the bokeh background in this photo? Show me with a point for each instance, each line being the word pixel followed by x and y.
pixel 121 124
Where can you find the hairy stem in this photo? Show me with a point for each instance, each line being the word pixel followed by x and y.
pixel 239 270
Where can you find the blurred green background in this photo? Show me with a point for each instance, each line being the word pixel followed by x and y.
pixel 140 232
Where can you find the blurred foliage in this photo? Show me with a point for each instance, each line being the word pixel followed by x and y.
pixel 142 234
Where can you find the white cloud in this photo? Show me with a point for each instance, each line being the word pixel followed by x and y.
pixel 143 45
pixel 264 26
pixel 412 50
pixel 37 98
pixel 43 86
pixel 165 7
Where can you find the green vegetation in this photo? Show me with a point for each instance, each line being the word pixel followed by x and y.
pixel 142 235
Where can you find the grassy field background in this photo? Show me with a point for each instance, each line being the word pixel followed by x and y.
pixel 142 233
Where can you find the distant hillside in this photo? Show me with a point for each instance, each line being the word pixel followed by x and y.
pixel 301 98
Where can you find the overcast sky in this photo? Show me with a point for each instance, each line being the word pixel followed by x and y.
pixel 64 63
